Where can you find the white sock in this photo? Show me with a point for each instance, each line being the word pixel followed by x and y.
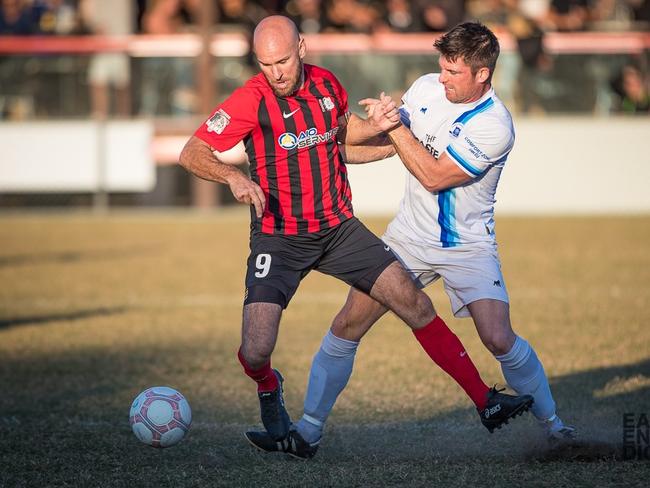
pixel 525 374
pixel 331 369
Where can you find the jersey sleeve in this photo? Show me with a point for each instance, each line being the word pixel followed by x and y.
pixel 342 97
pixel 480 144
pixel 405 109
pixel 231 121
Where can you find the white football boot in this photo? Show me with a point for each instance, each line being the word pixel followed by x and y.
pixel 556 430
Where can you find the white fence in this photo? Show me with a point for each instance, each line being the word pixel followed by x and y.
pixel 84 156
pixel 560 165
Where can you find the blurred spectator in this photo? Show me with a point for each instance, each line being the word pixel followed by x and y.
pixel 309 15
pixel 168 83
pixel 493 13
pixel 621 14
pixel 15 18
pixel 442 15
pixel 271 6
pixel 610 15
pixel 640 13
pixel 535 10
pixel 240 14
pixel 536 64
pixel 569 15
pixel 352 15
pixel 632 89
pixel 109 70
pixel 164 17
pixel 56 17
pixel 402 16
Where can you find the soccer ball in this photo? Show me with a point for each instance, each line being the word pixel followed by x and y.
pixel 160 416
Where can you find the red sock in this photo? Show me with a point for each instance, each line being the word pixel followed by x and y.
pixel 264 377
pixel 446 350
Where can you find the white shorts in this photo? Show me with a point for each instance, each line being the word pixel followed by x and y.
pixel 109 69
pixel 469 273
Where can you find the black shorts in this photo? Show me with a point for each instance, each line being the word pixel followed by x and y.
pixel 348 251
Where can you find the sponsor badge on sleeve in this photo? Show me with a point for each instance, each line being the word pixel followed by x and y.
pixel 218 122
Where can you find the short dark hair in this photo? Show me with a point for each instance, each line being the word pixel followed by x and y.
pixel 472 42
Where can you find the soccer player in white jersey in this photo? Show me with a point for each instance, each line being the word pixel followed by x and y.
pixel 454 138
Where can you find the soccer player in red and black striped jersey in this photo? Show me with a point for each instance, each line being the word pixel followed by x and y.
pixel 292 119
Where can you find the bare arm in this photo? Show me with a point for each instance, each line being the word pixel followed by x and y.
pixel 365 140
pixel 434 174
pixel 381 149
pixel 199 159
pixel 355 131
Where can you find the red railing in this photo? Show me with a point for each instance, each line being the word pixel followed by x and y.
pixel 234 44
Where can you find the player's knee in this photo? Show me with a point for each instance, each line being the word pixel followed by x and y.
pixel 347 327
pixel 255 355
pixel 423 303
pixel 341 324
pixel 423 308
pixel 499 341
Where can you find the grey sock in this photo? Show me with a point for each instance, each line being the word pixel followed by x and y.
pixel 331 369
pixel 525 374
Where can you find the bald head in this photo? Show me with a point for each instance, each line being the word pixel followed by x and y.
pixel 275 31
pixel 279 50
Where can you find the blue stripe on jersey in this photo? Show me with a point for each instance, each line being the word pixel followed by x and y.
pixel 404 117
pixel 482 107
pixel 463 162
pixel 447 218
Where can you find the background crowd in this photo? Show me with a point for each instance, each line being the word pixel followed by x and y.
pixel 534 81
pixel 52 17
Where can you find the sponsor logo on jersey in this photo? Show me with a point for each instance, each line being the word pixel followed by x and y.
pixel 306 138
pixel 497 283
pixel 424 109
pixel 287 115
pixel 455 129
pixel 218 122
pixel 326 104
pixel 288 140
pixel 432 150
pixel 473 148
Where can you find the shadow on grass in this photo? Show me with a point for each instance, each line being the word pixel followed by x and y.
pixel 83 399
pixel 595 401
pixel 6 323
pixel 66 257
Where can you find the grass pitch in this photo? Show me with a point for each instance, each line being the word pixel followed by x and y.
pixel 95 309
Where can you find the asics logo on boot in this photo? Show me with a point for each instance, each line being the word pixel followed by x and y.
pixel 491 411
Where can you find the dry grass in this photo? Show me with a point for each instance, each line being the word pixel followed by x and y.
pixel 95 309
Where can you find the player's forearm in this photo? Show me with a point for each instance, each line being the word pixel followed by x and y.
pixel 198 159
pixel 359 132
pixel 366 154
pixel 416 158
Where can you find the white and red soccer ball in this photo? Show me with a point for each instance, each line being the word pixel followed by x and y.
pixel 160 416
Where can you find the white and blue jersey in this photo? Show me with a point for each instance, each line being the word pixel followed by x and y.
pixel 478 137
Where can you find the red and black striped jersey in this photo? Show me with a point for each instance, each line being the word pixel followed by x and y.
pixel 292 150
